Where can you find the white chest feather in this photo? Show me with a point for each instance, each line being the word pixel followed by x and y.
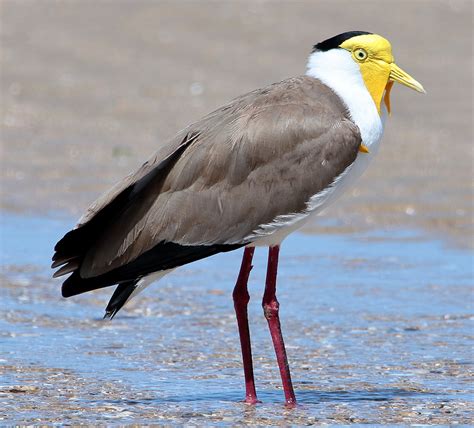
pixel 337 70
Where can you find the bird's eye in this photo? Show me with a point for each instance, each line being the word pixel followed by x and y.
pixel 360 54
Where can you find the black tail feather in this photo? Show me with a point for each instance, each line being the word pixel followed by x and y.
pixel 75 284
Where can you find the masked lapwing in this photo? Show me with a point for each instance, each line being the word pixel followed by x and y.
pixel 246 175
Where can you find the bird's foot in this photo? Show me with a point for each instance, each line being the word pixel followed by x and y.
pixel 291 404
pixel 252 401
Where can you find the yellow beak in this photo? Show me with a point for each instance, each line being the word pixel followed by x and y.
pixel 398 75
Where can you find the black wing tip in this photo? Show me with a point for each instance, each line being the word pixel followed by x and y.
pixel 120 296
pixel 64 240
pixel 65 254
pixel 109 315
pixel 335 42
pixel 78 241
pixel 164 256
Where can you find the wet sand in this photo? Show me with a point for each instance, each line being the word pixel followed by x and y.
pixel 376 297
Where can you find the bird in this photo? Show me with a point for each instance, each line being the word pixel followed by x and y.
pixel 244 176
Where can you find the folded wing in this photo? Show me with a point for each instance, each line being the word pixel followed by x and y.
pixel 262 156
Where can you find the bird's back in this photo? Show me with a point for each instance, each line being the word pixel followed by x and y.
pixel 263 155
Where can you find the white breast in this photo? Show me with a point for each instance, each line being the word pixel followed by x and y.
pixel 336 69
pixel 339 71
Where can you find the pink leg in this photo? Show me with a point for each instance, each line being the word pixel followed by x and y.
pixel 241 300
pixel 270 308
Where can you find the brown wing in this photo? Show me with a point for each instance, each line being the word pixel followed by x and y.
pixel 263 155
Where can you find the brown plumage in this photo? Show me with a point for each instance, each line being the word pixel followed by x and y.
pixel 261 156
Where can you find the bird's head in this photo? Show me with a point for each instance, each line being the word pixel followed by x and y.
pixel 358 54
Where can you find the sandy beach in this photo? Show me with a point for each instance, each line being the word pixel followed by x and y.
pixel 90 90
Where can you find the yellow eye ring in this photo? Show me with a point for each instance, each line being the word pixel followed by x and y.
pixel 360 54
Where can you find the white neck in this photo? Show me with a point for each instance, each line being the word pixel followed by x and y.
pixel 336 69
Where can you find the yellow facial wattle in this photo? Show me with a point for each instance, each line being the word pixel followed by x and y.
pixel 386 98
pixel 376 75
pixel 373 53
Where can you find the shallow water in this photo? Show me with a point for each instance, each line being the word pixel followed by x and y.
pixel 378 328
